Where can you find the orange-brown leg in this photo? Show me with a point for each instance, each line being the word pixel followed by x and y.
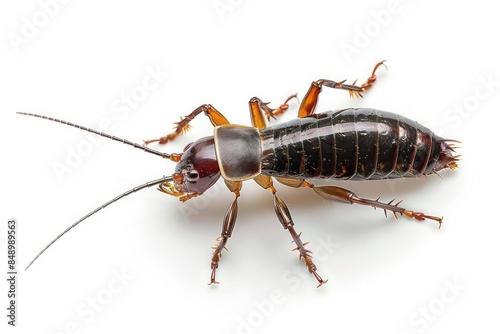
pixel 310 100
pixel 216 118
pixel 259 111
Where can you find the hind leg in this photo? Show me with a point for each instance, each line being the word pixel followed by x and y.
pixel 342 195
pixel 310 100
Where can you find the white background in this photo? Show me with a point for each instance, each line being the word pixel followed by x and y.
pixel 385 275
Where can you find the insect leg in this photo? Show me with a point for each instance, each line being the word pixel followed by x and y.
pixel 259 110
pixel 346 196
pixel 285 219
pixel 227 229
pixel 310 100
pixel 338 194
pixel 216 118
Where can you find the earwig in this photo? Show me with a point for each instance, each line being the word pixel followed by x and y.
pixel 349 144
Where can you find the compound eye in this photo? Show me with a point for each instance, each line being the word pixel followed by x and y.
pixel 192 175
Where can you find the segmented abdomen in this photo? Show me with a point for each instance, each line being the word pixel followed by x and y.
pixel 349 144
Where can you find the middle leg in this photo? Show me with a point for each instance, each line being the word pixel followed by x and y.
pixel 285 219
pixel 260 110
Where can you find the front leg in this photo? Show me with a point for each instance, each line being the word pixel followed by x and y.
pixel 227 229
pixel 216 118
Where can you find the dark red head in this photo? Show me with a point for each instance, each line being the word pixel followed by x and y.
pixel 197 169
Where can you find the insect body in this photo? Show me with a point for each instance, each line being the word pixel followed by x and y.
pixel 350 144
pixel 356 144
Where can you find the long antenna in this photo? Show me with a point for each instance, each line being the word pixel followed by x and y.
pixel 102 134
pixel 128 192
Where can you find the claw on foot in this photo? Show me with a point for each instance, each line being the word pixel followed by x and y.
pixel 212 278
pixel 272 113
pixel 161 140
pixel 312 269
pixel 372 78
pixel 180 127
pixel 421 216
pixel 215 265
